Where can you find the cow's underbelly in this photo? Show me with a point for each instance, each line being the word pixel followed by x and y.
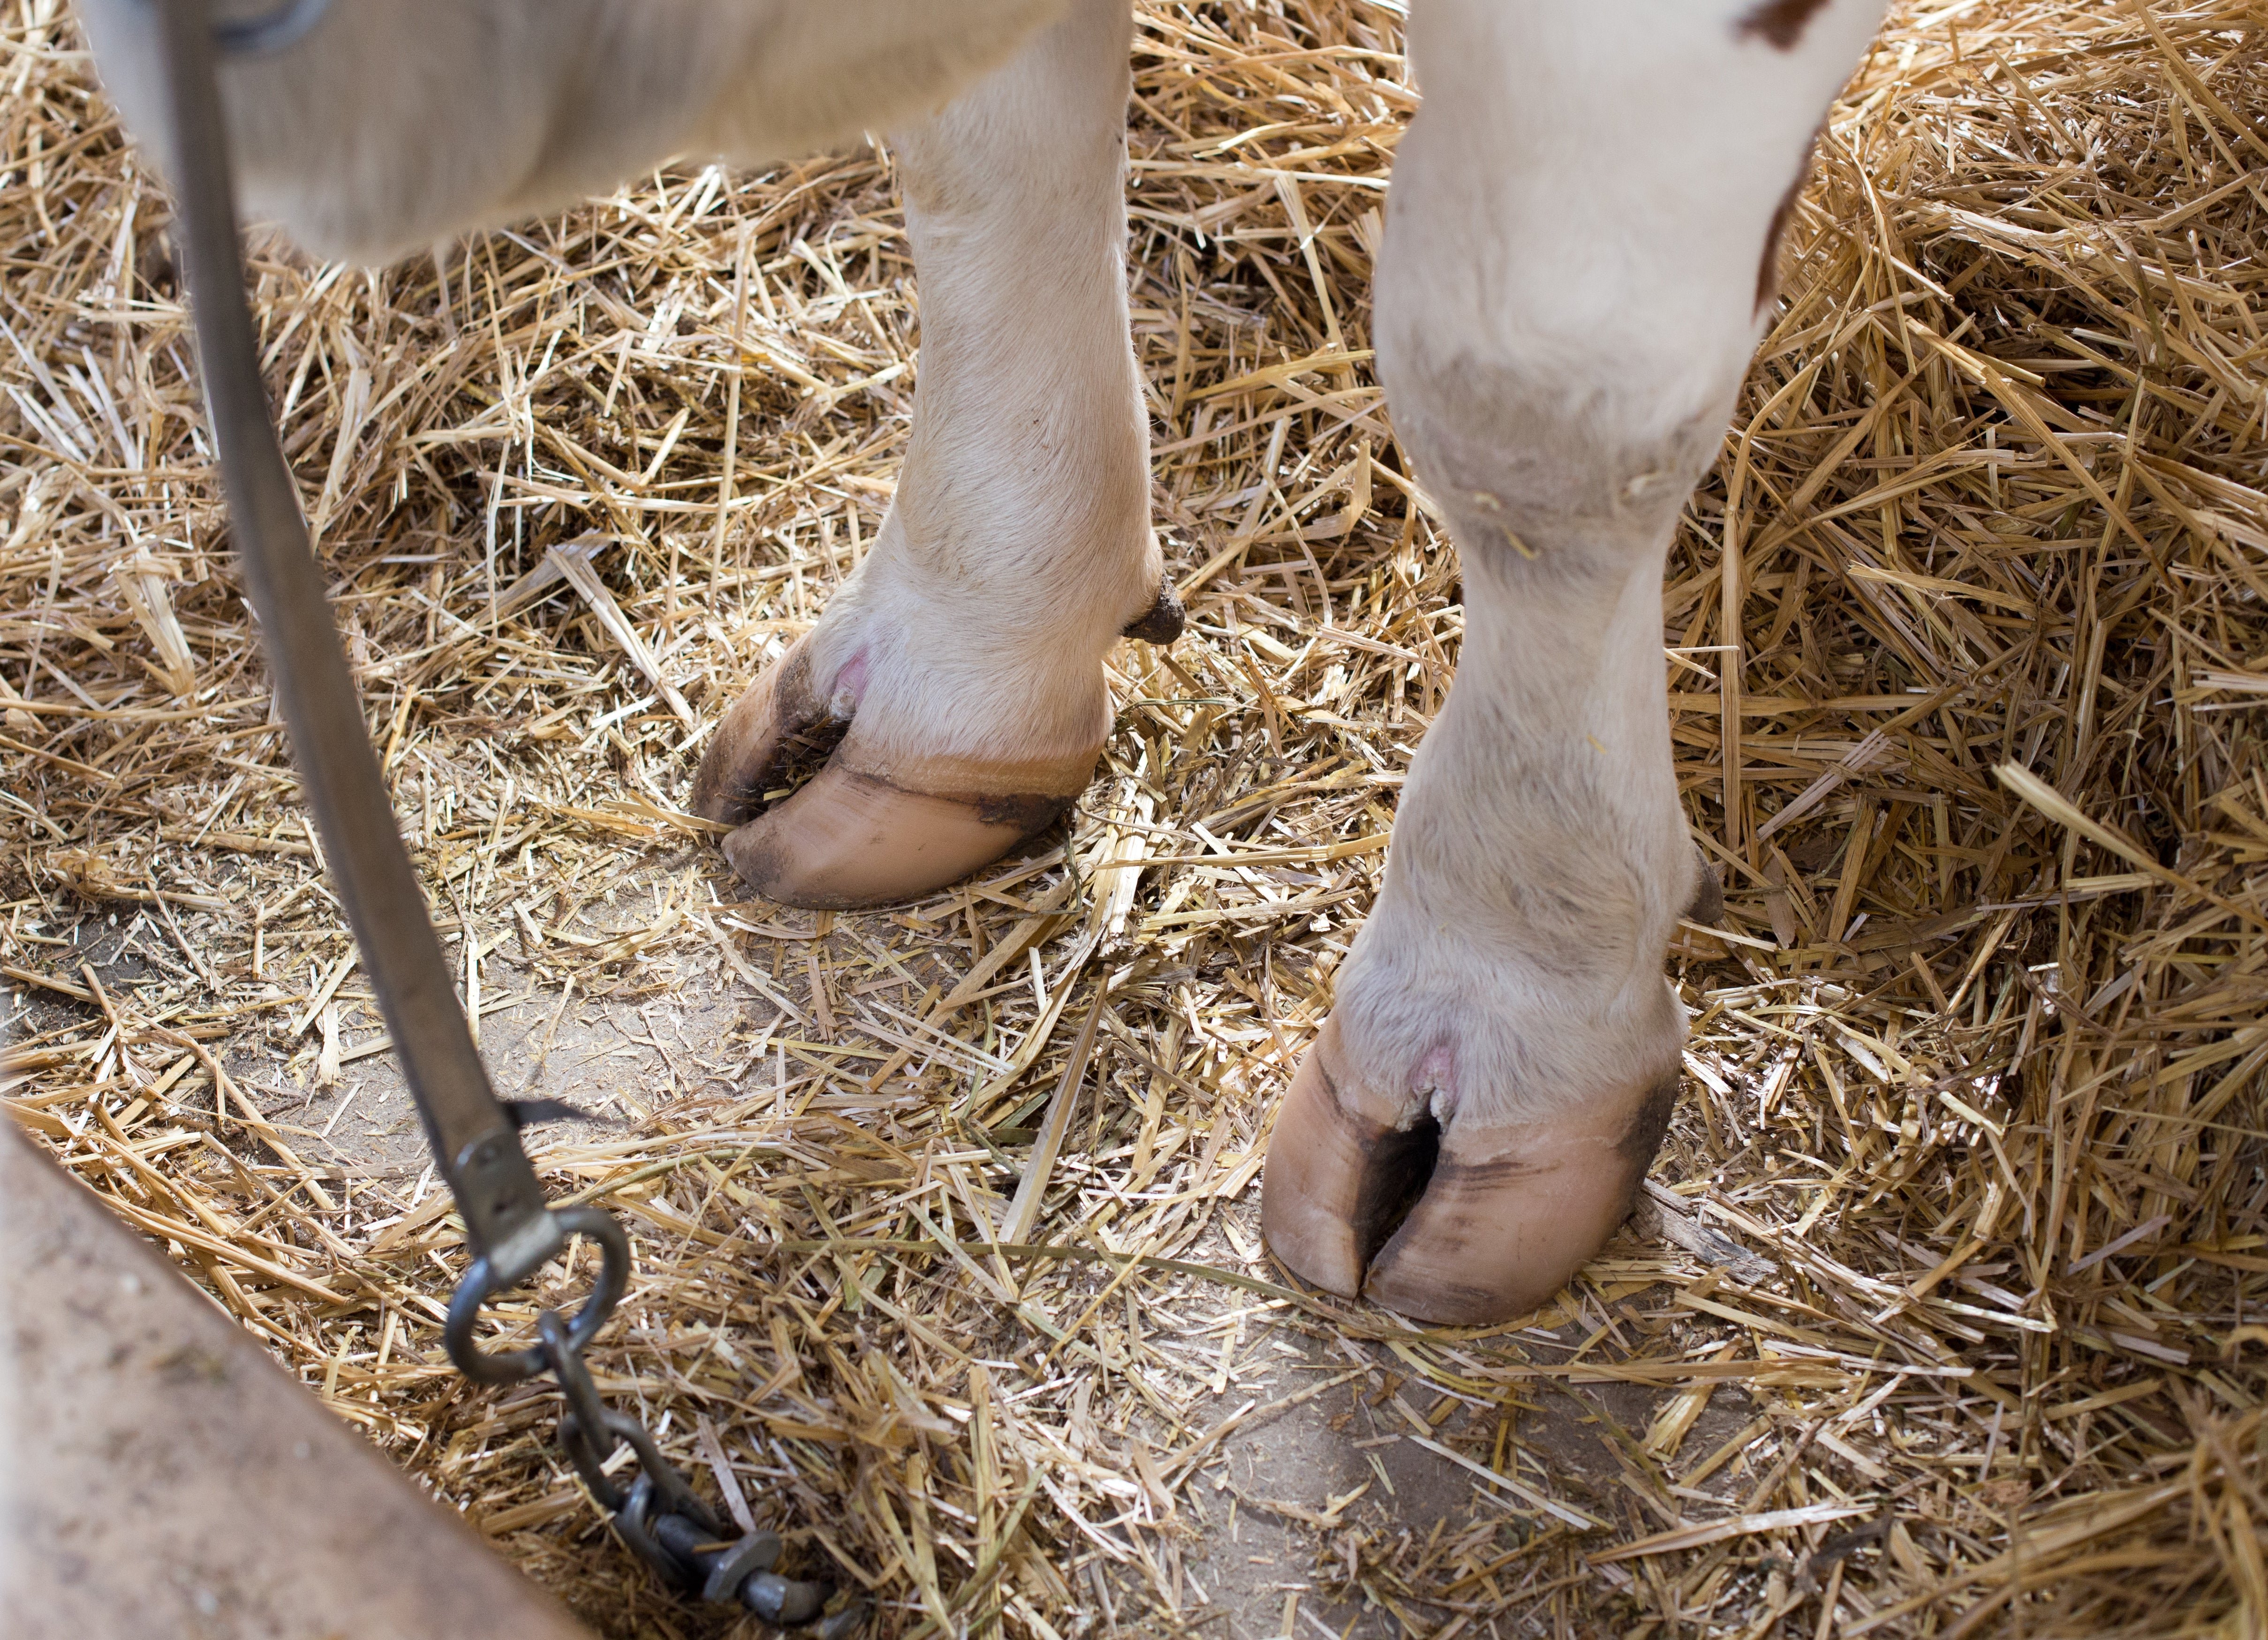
pixel 394 123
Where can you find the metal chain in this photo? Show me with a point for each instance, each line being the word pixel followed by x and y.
pixel 664 1520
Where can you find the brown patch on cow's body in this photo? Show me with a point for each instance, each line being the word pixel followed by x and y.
pixel 1781 22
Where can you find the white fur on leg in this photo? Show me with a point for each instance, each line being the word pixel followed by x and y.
pixel 966 653
pixel 1019 543
pixel 1567 298
pixel 1566 303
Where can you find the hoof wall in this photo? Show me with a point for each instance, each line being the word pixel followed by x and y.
pixel 1461 1225
pixel 865 829
pixel 848 839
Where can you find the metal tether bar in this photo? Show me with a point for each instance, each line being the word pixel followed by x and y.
pixel 471 1134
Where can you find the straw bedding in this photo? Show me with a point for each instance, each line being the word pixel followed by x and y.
pixel 1964 1210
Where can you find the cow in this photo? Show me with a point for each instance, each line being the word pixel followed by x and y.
pixel 1578 261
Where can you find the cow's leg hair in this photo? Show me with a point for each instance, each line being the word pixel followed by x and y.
pixel 965 655
pixel 1566 300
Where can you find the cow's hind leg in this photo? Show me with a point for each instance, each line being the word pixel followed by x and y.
pixel 1578 246
pixel 954 684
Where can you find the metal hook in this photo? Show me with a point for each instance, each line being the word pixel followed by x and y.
pixel 493 1273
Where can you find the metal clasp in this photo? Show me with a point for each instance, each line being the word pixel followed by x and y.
pixel 661 1517
pixel 535 1243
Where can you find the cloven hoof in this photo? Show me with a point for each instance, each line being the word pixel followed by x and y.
pixel 1463 1224
pixel 863 830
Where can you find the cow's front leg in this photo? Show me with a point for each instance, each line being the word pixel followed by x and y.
pixel 1568 295
pixel 961 666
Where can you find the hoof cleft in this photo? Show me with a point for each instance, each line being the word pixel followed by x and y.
pixel 1464 1224
pixel 863 830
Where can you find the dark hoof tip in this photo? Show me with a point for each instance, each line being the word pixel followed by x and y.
pixel 1162 622
pixel 1707 906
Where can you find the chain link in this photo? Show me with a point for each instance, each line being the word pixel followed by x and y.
pixel 665 1522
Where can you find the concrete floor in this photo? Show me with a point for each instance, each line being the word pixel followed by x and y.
pixel 1258 1525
